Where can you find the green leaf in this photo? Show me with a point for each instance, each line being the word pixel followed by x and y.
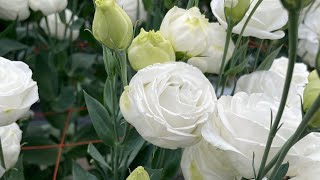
pixel 239 68
pixel 65 99
pixel 155 174
pixel 101 120
pixel 80 64
pixel 62 16
pixel 47 78
pixel 133 145
pixel 77 24
pixel 40 156
pixel 267 62
pixel 95 154
pixel 9 45
pixel 282 171
pixel 8 29
pixel 79 173
pixel 169 160
pixel 16 173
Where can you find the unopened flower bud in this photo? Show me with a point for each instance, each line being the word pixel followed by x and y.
pixel 150 48
pixel 139 174
pixel 111 25
pixel 235 10
pixel 310 94
pixel 296 4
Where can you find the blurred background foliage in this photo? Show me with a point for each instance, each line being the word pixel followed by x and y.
pixel 65 68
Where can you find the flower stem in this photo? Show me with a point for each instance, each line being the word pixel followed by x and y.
pixel 224 57
pixel 293 39
pixel 293 139
pixel 190 4
pixel 123 67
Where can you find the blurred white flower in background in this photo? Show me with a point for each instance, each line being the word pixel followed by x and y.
pixel 265 22
pixel 300 72
pixel 10 140
pixel 134 8
pixel 58 28
pixel 187 30
pixel 14 9
pixel 48 7
pixel 269 83
pixel 309 35
pixel 17 90
pixel 211 60
pixel 168 104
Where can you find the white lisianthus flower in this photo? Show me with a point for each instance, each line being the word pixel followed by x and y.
pixel 241 127
pixel 299 76
pixel 62 31
pixel 187 30
pixel 17 90
pixel 269 83
pixel 211 60
pixel 134 8
pixel 168 103
pixel 309 35
pixel 260 25
pixel 10 140
pixel 14 9
pixel 48 7
pixel 205 162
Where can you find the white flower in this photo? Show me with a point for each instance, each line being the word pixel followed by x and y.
pixel 10 140
pixel 48 7
pixel 14 9
pixel 205 162
pixel 241 128
pixel 269 83
pixel 264 24
pixel 211 60
pixel 62 31
pixel 134 8
pixel 187 30
pixel 17 90
pixel 300 72
pixel 168 103
pixel 309 35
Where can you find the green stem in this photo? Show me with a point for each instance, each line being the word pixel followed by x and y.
pixel 244 27
pixel 258 54
pixel 190 4
pixel 115 163
pixel 275 158
pixel 123 68
pixel 293 39
pixel 224 57
pixel 196 3
pixel 293 139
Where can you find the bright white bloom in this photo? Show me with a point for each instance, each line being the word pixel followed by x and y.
pixel 17 90
pixel 309 35
pixel 134 8
pixel 10 140
pixel 264 24
pixel 269 83
pixel 187 30
pixel 62 31
pixel 205 162
pixel 48 7
pixel 211 60
pixel 13 9
pixel 241 127
pixel 168 103
pixel 300 72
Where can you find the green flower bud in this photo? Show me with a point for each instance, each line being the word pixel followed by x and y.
pixel 310 94
pixel 149 48
pixel 139 174
pixel 235 10
pixel 296 4
pixel 111 25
